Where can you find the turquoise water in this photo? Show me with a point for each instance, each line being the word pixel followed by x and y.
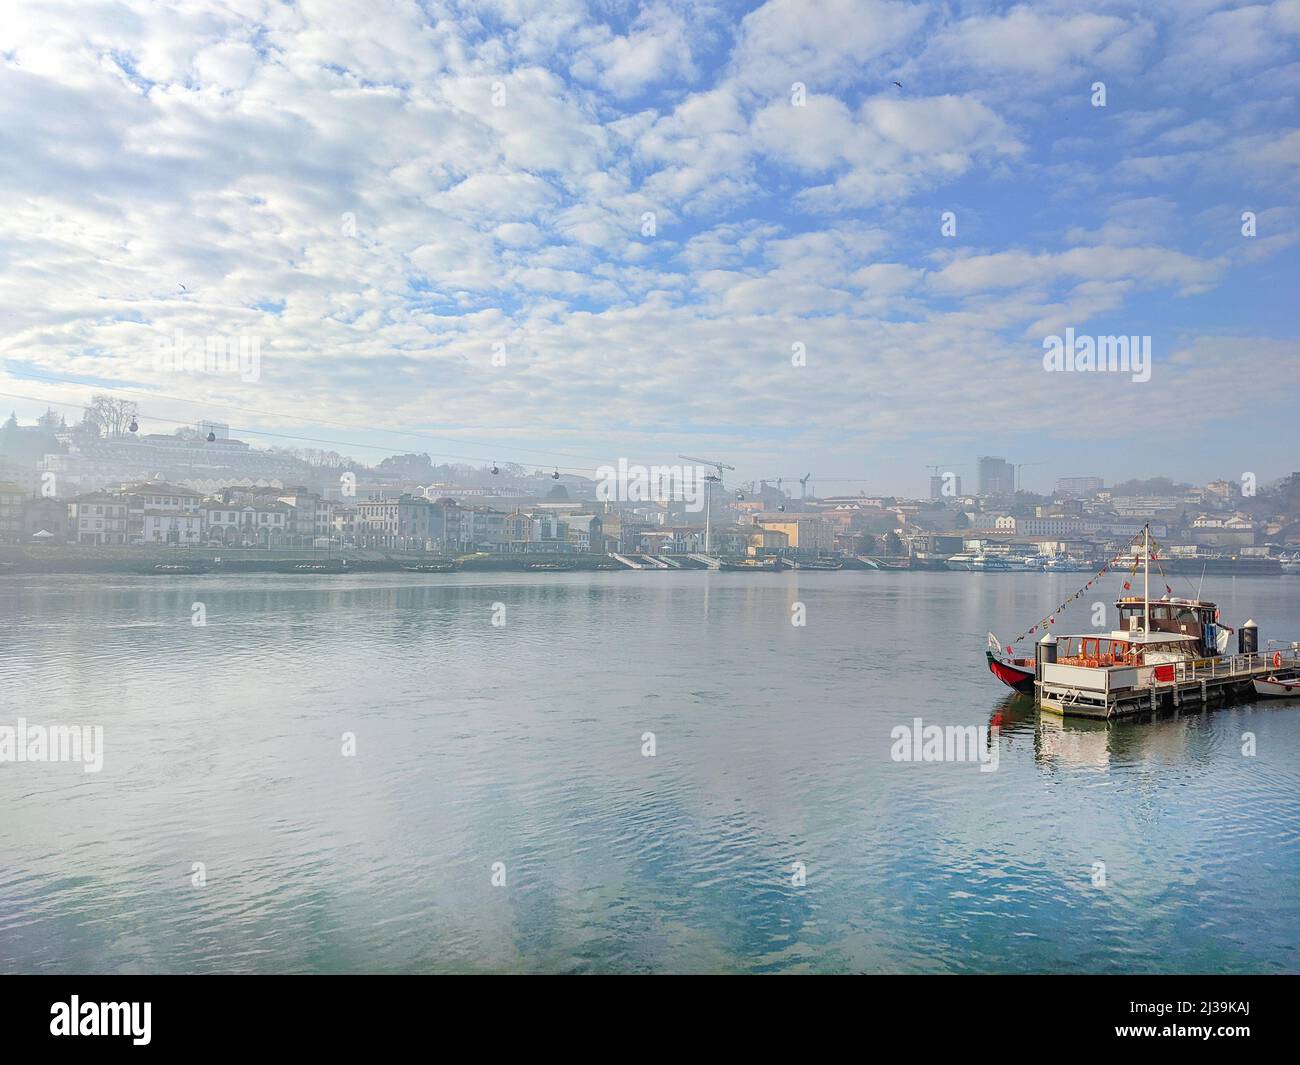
pixel 522 744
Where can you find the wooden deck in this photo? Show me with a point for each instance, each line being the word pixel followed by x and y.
pixel 1119 691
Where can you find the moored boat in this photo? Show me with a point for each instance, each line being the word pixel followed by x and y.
pixel 175 569
pixel 1275 687
pixel 766 565
pixel 444 566
pixel 979 562
pixel 827 564
pixel 1164 654
pixel 1015 673
pixel 321 565
pixel 1065 564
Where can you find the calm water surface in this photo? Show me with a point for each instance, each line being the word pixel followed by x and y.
pixel 522 745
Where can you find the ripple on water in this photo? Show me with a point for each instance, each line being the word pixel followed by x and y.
pixel 523 746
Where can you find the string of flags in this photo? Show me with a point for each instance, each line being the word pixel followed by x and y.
pixel 1050 619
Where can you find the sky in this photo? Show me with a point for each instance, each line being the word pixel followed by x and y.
pixel 797 236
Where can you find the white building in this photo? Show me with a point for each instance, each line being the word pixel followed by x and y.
pixel 253 524
pixel 1054 526
pixel 98 518
pixel 171 527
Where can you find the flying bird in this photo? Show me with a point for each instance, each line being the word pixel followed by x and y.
pixel 183 288
pixel 899 84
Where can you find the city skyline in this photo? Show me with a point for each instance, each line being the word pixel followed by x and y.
pixel 830 237
pixel 1034 478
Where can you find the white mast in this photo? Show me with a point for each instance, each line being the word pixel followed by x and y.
pixel 1146 581
pixel 709 481
pixel 708 514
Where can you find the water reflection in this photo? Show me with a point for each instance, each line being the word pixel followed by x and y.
pixel 523 744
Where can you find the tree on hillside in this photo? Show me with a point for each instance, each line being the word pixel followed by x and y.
pixel 410 467
pixel 110 417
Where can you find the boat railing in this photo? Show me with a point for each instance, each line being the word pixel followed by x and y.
pixel 1232 665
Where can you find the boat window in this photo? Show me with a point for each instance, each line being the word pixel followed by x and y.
pixel 1159 613
pixel 1186 614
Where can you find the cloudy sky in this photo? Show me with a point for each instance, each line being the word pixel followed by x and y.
pixel 561 233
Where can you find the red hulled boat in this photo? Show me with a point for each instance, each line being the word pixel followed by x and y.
pixel 1016 673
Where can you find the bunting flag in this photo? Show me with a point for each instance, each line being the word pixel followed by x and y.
pixel 1044 623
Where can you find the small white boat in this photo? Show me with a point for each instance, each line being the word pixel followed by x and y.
pixel 1067 565
pixel 978 562
pixel 1277 687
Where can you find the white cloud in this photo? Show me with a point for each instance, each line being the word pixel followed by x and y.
pixel 1056 46
pixel 821 43
pixel 656 49
pixel 339 180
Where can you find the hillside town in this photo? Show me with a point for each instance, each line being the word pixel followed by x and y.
pixel 101 483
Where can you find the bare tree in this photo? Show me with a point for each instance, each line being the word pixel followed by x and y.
pixel 110 416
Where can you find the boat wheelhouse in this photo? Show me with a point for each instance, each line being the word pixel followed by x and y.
pixel 1187 617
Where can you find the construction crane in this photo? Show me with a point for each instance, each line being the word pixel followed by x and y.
pixel 709 481
pixel 803 485
pixel 1020 465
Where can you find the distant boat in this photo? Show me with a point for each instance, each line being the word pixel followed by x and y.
pixel 1067 565
pixel 820 564
pixel 550 567
pixel 174 569
pixel 978 562
pixel 767 565
pixel 446 566
pixel 320 565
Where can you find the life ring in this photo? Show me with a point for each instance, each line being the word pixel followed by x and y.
pixel 1277 659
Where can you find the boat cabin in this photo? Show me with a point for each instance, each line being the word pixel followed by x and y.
pixel 1126 649
pixel 1186 617
pixel 1119 661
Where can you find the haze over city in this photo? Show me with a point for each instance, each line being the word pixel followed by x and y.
pixel 826 237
